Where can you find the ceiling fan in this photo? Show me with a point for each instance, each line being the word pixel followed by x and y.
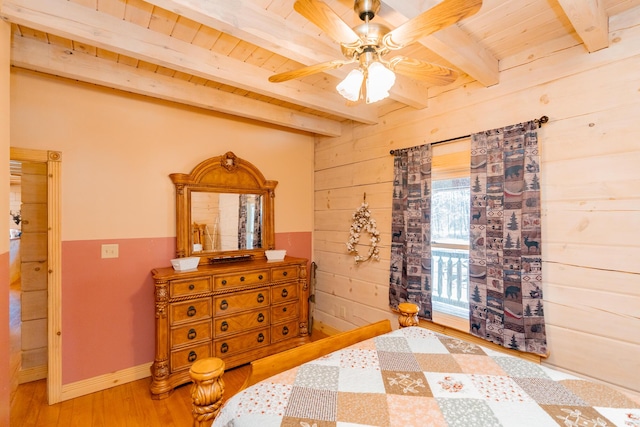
pixel 367 44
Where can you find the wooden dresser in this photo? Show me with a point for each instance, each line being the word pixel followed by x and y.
pixel 239 312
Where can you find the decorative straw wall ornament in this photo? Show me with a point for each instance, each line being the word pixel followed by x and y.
pixel 363 222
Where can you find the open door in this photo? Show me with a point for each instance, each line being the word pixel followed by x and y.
pixel 33 271
pixel 42 260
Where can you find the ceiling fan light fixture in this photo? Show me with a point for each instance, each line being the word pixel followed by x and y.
pixel 351 85
pixel 380 80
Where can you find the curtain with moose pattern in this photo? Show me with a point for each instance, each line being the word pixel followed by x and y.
pixel 505 253
pixel 410 270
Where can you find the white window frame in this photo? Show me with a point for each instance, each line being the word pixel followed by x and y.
pixel 450 160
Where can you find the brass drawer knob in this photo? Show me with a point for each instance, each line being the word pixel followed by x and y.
pixel 224 304
pixel 224 326
pixel 192 334
pixel 260 337
pixel 224 282
pixel 285 274
pixel 260 318
pixel 260 277
pixel 192 356
pixel 191 311
pixel 285 331
pixel 224 347
pixel 192 287
pixel 284 293
pixel 260 298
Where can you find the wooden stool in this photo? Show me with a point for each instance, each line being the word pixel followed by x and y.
pixel 408 314
pixel 207 390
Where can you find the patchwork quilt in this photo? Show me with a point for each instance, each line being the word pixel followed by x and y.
pixel 416 377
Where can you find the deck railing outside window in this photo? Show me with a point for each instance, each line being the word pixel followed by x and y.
pixel 450 246
pixel 450 278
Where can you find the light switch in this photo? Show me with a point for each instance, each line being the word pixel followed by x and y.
pixel 110 250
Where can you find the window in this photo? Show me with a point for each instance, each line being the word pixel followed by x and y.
pixel 450 196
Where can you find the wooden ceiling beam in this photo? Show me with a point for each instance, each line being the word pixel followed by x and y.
pixel 451 43
pixel 82 24
pixel 590 20
pixel 35 55
pixel 247 21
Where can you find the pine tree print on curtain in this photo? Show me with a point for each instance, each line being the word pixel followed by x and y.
pixel 410 271
pixel 505 251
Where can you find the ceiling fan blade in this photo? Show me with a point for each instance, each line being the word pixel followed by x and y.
pixel 438 17
pixel 307 71
pixel 420 70
pixel 327 20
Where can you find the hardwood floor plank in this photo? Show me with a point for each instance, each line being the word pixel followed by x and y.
pixel 82 411
pixel 22 402
pixel 113 406
pixel 66 413
pixel 145 406
pixel 98 413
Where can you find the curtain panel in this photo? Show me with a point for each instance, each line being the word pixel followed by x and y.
pixel 410 269
pixel 505 252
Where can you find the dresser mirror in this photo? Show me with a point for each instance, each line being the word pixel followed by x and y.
pixel 224 210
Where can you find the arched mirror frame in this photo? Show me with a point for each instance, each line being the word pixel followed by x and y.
pixel 222 174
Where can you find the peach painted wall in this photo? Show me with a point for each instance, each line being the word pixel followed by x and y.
pixel 117 152
pixel 5 39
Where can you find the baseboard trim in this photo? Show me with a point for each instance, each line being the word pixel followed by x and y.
pixel 32 374
pixel 103 382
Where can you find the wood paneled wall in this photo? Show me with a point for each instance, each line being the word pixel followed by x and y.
pixel 590 181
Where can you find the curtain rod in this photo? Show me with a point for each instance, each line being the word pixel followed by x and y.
pixel 542 120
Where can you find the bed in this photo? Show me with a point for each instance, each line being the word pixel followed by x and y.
pixel 417 377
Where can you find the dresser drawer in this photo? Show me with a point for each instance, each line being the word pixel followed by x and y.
pixel 239 343
pixel 284 331
pixel 282 293
pixel 247 278
pixel 279 274
pixel 189 311
pixel 284 311
pixel 241 301
pixel 182 359
pixel 189 333
pixel 240 322
pixel 189 287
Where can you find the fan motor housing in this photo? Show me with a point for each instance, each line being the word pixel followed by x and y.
pixel 371 35
pixel 366 9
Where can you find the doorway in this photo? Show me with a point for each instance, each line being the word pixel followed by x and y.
pixel 38 281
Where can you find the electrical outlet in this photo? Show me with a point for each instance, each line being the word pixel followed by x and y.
pixel 110 250
pixel 343 312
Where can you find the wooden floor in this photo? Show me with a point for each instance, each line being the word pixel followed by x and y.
pixel 127 405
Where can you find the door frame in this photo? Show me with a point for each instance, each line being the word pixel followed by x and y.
pixel 53 159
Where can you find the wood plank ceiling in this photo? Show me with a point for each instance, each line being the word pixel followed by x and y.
pixel 218 54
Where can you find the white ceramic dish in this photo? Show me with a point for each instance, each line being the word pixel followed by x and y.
pixel 276 254
pixel 184 264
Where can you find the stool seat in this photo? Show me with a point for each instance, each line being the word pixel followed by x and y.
pixel 408 314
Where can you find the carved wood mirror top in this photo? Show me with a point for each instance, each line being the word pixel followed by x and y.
pixel 224 210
